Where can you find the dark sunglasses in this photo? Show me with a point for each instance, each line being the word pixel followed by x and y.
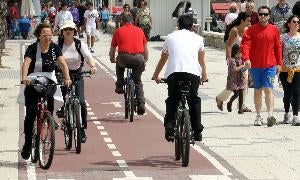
pixel 69 29
pixel 126 7
pixel 296 22
pixel 263 14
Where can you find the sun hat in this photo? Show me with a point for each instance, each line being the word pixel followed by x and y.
pixel 68 24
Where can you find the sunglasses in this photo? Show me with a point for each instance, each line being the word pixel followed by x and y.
pixel 296 22
pixel 263 14
pixel 68 29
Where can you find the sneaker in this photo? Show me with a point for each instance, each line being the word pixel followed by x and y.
pixel 295 121
pixel 61 112
pixel 140 110
pixel 91 50
pixel 229 106
pixel 271 121
pixel 258 121
pixel 286 119
pixel 169 134
pixel 198 136
pixel 83 136
pixel 25 153
pixel 219 104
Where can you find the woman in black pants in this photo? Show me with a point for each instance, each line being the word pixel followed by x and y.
pixel 290 77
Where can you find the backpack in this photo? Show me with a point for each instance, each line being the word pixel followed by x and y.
pixel 77 46
pixel 144 18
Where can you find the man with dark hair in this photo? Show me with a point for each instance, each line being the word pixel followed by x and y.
pixel 134 10
pixel 261 50
pixel 279 14
pixel 183 51
pixel 132 53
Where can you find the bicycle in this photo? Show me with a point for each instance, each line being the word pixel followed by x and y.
pixel 72 122
pixel 129 95
pixel 43 139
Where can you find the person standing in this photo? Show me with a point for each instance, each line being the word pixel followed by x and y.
pixel 183 51
pixel 62 16
pixel 132 52
pixel 261 50
pixel 105 18
pixel 280 13
pixel 232 14
pixel 134 10
pixel 13 16
pixel 91 20
pixel 290 75
pixel 249 9
pixel 144 19
pixel 81 10
pixel 75 13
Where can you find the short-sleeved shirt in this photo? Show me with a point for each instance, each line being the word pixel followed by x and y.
pixel 183 47
pixel 47 61
pixel 73 58
pixel 290 51
pixel 129 39
pixel 230 17
pixel 91 17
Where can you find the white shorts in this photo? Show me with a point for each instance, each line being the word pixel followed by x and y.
pixel 90 31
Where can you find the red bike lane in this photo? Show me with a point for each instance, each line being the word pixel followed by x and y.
pixel 117 148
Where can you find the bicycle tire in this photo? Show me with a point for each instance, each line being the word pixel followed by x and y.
pixel 126 99
pixel 177 136
pixel 67 129
pixel 77 127
pixel 186 132
pixel 48 124
pixel 35 143
pixel 131 100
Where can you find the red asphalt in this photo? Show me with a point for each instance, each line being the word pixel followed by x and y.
pixel 141 144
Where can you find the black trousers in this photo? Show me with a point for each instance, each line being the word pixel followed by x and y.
pixel 194 101
pixel 79 91
pixel 137 63
pixel 237 93
pixel 31 102
pixel 291 92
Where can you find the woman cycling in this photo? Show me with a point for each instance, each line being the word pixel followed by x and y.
pixel 76 52
pixel 40 56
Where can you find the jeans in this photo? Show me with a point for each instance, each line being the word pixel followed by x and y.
pixel 137 63
pixel 104 24
pixel 194 101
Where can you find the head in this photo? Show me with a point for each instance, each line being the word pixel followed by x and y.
pixel 233 8
pixel 126 7
pixel 249 7
pixel 126 18
pixel 296 9
pixel 68 29
pixel 292 24
pixel 185 22
pixel 236 52
pixel 281 2
pixel 90 5
pixel 135 4
pixel 43 33
pixel 264 14
pixel 144 4
pixel 64 6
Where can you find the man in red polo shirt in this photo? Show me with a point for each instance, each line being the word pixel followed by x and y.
pixel 133 53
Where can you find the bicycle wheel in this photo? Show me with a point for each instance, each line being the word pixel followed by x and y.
pixel 67 131
pixel 35 143
pixel 131 100
pixel 186 130
pixel 126 99
pixel 77 127
pixel 177 137
pixel 46 142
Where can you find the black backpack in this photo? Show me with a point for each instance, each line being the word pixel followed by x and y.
pixel 77 45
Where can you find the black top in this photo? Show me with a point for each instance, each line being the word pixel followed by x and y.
pixel 48 59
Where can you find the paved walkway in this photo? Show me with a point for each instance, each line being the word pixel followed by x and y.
pixel 255 152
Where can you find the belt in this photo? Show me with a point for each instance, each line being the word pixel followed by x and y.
pixel 133 54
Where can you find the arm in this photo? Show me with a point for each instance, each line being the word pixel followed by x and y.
pixel 240 67
pixel 231 38
pixel 245 47
pixel 203 65
pixel 91 63
pixel 64 67
pixel 87 55
pixel 163 59
pixel 25 67
pixel 56 21
pixel 278 51
pixel 112 53
pixel 146 52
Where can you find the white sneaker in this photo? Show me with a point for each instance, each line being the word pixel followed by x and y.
pixel 287 118
pixel 258 121
pixel 296 121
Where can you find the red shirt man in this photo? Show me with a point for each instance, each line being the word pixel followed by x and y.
pixel 132 53
pixel 14 14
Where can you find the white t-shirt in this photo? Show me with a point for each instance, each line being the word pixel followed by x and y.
pixel 91 17
pixel 230 17
pixel 61 17
pixel 183 47
pixel 72 57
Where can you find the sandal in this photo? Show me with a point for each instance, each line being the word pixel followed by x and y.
pixel 219 104
pixel 246 109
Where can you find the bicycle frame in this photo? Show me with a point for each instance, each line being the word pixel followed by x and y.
pixel 129 95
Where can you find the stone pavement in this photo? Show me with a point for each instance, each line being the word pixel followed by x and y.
pixel 254 152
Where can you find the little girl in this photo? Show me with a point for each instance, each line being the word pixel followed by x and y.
pixel 237 78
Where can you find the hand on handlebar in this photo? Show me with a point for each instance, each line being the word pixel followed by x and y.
pixel 26 81
pixel 156 79
pixel 67 82
pixel 203 81
pixel 93 70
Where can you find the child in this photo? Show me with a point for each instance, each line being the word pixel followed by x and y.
pixel 236 79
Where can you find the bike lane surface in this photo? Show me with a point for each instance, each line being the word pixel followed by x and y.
pixel 117 148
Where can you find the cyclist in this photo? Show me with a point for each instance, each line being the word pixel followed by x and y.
pixel 75 52
pixel 184 51
pixel 132 52
pixel 40 56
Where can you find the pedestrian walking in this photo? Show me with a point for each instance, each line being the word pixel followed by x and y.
pixel 261 50
pixel 91 20
pixel 237 78
pixel 280 13
pixel 81 10
pixel 105 18
pixel 231 15
pixel 250 10
pixel 290 75
pixel 61 17
pixel 144 19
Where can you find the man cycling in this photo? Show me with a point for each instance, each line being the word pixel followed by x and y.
pixel 184 51
pixel 132 52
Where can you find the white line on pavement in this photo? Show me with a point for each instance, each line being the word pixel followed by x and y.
pixel 111 146
pixel 103 133
pixel 89 109
pixel 93 118
pixel 116 153
pixel 100 127
pixel 122 163
pixel 91 113
pixel 209 177
pixel 97 122
pixel 107 140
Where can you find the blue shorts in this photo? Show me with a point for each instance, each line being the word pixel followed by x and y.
pixel 263 77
